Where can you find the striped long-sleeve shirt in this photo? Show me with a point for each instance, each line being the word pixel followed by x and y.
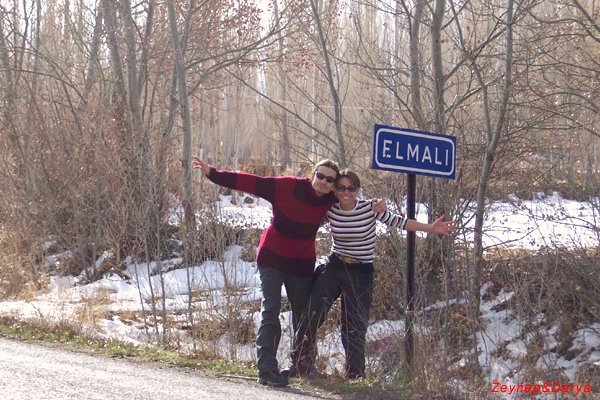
pixel 288 243
pixel 354 231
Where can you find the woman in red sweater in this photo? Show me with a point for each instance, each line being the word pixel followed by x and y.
pixel 286 253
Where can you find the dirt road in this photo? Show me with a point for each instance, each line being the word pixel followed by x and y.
pixel 39 372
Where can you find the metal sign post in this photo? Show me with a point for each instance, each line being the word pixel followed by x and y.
pixel 413 152
pixel 410 270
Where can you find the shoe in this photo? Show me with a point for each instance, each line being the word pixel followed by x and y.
pixel 290 372
pixel 308 371
pixel 272 378
pixel 355 376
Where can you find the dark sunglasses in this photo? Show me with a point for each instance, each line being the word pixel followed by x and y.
pixel 342 188
pixel 321 176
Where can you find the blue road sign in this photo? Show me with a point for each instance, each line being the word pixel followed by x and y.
pixel 414 152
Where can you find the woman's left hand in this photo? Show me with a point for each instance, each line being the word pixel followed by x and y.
pixel 443 227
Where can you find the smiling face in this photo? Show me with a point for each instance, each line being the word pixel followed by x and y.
pixel 346 193
pixel 323 180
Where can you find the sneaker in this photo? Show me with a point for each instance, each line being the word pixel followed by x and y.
pixel 355 376
pixel 290 372
pixel 303 371
pixel 272 378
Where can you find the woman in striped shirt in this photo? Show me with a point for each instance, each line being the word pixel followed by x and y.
pixel 349 273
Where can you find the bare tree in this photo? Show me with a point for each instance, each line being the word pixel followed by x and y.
pixel 284 84
pixel 332 81
pixel 186 159
pixel 494 127
pixel 11 62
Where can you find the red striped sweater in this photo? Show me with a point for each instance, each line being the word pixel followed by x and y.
pixel 288 243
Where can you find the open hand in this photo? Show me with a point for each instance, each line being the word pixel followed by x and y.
pixel 201 165
pixel 444 227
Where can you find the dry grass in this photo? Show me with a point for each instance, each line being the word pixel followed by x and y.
pixel 93 309
pixel 561 284
pixel 21 273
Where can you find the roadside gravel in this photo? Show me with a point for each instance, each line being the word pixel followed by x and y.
pixel 32 371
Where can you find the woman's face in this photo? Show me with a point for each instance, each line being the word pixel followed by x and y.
pixel 346 193
pixel 323 180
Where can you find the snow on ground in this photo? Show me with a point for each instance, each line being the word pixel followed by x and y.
pixel 544 221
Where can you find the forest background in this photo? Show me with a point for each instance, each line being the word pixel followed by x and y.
pixel 103 103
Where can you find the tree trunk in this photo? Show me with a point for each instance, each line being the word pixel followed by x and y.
pixel 415 66
pixel 329 75
pixel 93 58
pixel 285 145
pixel 16 148
pixel 115 64
pixel 186 157
pixel 493 137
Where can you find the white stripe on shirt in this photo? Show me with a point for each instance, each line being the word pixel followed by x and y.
pixel 354 231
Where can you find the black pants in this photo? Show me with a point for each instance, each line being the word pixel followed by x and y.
pixel 269 332
pixel 354 283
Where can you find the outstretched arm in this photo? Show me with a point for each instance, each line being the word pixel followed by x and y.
pixel 440 226
pixel 245 182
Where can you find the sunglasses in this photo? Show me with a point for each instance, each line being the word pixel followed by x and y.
pixel 321 176
pixel 342 188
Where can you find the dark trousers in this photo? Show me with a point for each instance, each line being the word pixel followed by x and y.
pixel 269 333
pixel 354 283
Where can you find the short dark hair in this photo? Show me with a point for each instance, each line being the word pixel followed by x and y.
pixel 329 164
pixel 346 173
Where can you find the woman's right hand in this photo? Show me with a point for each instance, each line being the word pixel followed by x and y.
pixel 201 165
